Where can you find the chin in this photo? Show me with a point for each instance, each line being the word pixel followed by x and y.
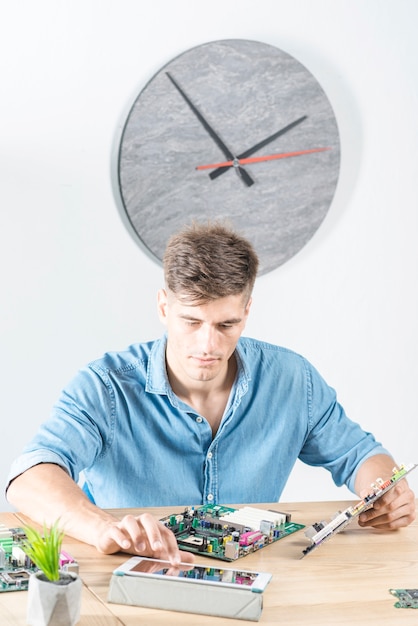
pixel 204 376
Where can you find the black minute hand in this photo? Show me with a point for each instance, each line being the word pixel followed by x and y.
pixel 258 146
pixel 227 152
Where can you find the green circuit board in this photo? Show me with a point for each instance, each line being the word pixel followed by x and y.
pixel 15 566
pixel 226 533
pixel 407 598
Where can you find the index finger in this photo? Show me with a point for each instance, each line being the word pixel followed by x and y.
pixel 161 540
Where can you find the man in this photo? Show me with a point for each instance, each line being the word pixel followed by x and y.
pixel 202 415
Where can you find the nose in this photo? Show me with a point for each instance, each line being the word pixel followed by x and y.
pixel 207 339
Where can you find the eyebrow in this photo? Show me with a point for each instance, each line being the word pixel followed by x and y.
pixel 191 318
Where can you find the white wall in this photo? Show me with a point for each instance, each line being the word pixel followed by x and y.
pixel 75 284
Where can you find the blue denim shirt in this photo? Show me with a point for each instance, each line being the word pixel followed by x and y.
pixel 139 445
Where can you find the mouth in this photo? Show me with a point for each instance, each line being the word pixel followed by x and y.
pixel 205 361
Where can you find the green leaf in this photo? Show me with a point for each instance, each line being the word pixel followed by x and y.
pixel 44 549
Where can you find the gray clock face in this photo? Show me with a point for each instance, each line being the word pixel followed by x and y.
pixel 225 102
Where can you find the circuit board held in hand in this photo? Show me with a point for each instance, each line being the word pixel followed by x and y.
pixel 320 532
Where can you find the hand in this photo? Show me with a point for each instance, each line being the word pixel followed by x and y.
pixel 219 142
pixel 395 509
pixel 143 535
pixel 269 157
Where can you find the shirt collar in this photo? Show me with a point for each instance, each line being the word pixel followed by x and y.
pixel 157 379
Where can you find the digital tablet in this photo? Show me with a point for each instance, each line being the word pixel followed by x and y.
pixel 195 573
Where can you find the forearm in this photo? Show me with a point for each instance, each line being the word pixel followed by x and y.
pixel 46 493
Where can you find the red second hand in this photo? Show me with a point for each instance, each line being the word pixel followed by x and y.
pixel 269 157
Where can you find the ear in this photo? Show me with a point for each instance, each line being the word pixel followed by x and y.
pixel 162 305
pixel 248 306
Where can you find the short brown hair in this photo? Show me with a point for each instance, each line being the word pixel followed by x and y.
pixel 209 261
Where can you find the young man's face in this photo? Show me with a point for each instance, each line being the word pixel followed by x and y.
pixel 201 338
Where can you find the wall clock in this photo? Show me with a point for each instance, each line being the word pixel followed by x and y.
pixel 234 129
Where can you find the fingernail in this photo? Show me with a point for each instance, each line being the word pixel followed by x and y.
pixel 157 545
pixel 140 546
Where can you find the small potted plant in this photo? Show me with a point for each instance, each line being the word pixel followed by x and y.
pixel 54 596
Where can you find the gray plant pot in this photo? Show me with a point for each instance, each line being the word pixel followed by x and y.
pixel 54 603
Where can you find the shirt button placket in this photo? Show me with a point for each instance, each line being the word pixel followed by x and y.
pixel 210 486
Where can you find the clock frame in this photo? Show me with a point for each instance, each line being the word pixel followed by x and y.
pixel 215 103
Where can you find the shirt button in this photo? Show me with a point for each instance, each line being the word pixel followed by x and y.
pixel 210 455
pixel 210 497
pixel 199 419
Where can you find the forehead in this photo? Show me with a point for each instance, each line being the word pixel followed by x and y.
pixel 221 309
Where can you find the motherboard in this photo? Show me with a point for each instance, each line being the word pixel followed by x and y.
pixel 15 565
pixel 226 533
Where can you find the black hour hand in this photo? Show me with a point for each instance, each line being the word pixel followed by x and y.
pixel 219 142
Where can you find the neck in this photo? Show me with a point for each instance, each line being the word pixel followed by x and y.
pixel 208 398
pixel 186 388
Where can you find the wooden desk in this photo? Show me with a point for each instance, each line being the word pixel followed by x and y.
pixel 344 582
